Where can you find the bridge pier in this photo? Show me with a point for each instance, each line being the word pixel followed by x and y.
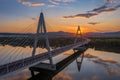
pixel 32 73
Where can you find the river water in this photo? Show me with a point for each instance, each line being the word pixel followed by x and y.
pixel 96 65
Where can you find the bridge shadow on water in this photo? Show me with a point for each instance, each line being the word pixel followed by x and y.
pixel 49 74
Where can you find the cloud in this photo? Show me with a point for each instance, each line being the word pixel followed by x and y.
pixel 57 2
pixel 103 9
pixel 86 15
pixel 107 10
pixel 110 1
pixel 66 0
pixel 99 9
pixel 108 6
pixel 53 2
pixel 93 23
pixel 51 5
pixel 34 19
pixel 26 2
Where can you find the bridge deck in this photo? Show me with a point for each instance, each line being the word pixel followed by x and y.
pixel 14 66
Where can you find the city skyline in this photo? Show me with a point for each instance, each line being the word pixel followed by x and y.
pixel 60 15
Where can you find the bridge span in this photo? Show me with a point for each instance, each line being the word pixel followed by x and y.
pixel 23 63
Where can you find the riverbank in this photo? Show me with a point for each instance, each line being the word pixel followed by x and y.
pixel 106 44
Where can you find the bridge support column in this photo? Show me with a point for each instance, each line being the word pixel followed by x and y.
pixel 78 35
pixel 42 30
pixel 32 73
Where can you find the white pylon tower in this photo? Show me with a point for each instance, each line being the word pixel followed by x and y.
pixel 41 29
pixel 78 34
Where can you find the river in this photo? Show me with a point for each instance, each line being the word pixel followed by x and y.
pixel 96 65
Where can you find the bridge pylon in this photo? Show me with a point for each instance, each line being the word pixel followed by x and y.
pixel 42 29
pixel 78 34
pixel 79 38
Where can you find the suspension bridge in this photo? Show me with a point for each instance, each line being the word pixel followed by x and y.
pixel 6 69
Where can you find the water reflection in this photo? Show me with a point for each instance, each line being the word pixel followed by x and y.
pixel 48 75
pixel 95 65
pixel 108 64
pixel 9 54
pixel 79 63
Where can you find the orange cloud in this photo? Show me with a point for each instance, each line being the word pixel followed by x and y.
pixel 25 2
pixel 56 2
pixel 93 23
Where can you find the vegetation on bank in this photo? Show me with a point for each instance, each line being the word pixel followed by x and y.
pixel 54 42
pixel 106 44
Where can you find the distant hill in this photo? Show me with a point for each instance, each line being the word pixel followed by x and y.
pixel 60 34
pixel 50 34
pixel 105 34
pixel 66 34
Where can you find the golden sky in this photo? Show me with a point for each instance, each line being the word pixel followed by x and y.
pixel 60 15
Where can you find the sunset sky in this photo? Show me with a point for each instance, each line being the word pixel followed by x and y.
pixel 60 15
